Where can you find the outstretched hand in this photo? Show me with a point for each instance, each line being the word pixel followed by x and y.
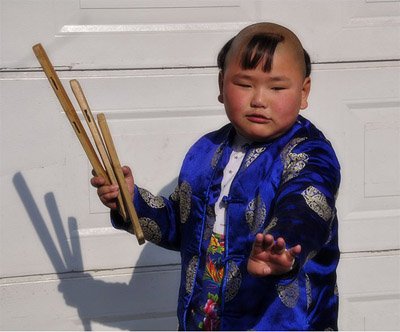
pixel 108 193
pixel 270 257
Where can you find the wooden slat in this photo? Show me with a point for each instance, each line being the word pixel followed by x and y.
pixel 120 177
pixel 83 104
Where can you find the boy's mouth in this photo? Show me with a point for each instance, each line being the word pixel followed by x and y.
pixel 258 118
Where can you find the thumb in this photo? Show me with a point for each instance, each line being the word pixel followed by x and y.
pixel 128 178
pixel 126 170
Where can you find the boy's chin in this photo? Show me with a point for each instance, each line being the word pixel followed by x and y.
pixel 258 137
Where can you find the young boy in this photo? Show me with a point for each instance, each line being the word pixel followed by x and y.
pixel 253 214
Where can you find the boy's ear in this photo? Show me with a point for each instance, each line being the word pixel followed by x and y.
pixel 221 87
pixel 305 92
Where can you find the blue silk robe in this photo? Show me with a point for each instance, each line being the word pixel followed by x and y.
pixel 285 187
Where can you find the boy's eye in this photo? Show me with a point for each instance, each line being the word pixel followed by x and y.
pixel 243 84
pixel 278 88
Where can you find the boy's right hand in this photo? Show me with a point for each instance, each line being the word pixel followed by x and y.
pixel 108 193
pixel 270 257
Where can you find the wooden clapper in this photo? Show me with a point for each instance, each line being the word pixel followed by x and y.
pixel 102 138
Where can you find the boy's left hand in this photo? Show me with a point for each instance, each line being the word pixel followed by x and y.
pixel 270 257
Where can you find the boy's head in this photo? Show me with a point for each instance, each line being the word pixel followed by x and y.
pixel 264 80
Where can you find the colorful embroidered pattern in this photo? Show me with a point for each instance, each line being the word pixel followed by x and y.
pixel 217 244
pixel 209 317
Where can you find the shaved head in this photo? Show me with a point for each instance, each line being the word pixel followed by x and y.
pixel 259 42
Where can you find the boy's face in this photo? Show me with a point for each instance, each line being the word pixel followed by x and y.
pixel 264 105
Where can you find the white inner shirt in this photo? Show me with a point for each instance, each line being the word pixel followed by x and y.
pixel 230 170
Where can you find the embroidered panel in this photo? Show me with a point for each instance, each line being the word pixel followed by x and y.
pixel 289 294
pixel 185 199
pixel 156 202
pixel 317 202
pixel 272 224
pixel 253 155
pixel 151 230
pixel 293 163
pixel 234 281
pixel 256 212
pixel 191 274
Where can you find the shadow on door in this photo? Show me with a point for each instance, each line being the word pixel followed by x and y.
pixel 112 304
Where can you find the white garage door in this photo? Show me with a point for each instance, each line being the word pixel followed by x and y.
pixel 150 67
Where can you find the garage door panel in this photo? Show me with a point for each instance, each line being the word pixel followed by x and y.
pixel 121 34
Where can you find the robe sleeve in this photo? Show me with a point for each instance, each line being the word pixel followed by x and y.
pixel 157 216
pixel 304 209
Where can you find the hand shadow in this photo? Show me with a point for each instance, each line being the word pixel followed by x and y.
pixel 115 305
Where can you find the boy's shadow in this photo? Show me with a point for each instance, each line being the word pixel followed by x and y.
pixel 117 305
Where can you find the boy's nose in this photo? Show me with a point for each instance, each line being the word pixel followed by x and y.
pixel 258 99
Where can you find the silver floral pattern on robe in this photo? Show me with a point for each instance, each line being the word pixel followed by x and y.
pixel 156 202
pixel 217 155
pixel 234 281
pixel 310 256
pixel 317 202
pixel 210 221
pixel 336 290
pixel 175 194
pixel 289 294
pixel 293 163
pixel 253 155
pixel 272 224
pixel 191 273
pixel 308 291
pixel 330 226
pixel 256 212
pixel 185 200
pixel 151 230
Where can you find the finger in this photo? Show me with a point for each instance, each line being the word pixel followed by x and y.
pixel 127 174
pixel 295 251
pixel 108 191
pixel 97 181
pixel 279 246
pixel 109 199
pixel 129 179
pixel 126 171
pixel 111 205
pixel 268 241
pixel 258 244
